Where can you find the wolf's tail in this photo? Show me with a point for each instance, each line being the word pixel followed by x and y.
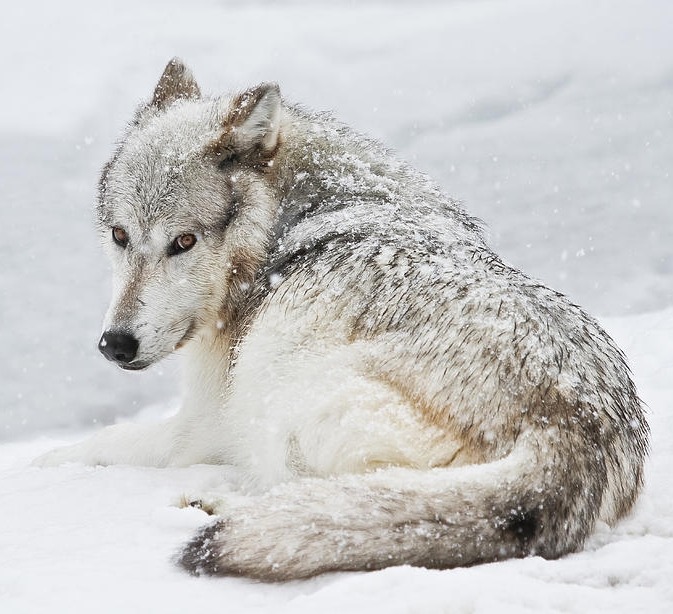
pixel 538 500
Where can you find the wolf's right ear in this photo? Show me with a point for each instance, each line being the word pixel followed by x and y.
pixel 176 82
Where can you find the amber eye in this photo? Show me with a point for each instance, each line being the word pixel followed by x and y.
pixel 120 237
pixel 182 243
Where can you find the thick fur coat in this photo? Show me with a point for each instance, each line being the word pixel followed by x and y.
pixel 394 392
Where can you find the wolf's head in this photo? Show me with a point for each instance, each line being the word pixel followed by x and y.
pixel 185 210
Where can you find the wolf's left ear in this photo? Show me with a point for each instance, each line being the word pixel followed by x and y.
pixel 256 117
pixel 176 82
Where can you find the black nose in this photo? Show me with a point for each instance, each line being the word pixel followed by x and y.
pixel 118 346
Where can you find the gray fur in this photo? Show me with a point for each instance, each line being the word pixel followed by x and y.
pixel 529 428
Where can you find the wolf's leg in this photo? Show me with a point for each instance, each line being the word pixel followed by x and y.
pixel 127 444
pixel 171 442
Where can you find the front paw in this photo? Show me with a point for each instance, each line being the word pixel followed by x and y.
pixel 60 456
pixel 211 504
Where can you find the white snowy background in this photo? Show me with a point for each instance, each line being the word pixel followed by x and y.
pixel 552 121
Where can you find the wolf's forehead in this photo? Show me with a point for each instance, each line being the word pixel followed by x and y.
pixel 169 139
pixel 152 170
pixel 154 160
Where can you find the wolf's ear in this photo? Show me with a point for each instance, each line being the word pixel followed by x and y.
pixel 256 117
pixel 176 82
pixel 250 127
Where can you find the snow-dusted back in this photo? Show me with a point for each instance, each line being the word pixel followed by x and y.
pixel 550 121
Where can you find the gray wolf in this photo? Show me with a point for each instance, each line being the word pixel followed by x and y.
pixel 394 392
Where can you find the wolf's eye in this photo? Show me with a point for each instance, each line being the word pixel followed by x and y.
pixel 120 237
pixel 182 243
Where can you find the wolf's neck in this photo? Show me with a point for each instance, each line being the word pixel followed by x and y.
pixel 326 169
pixel 323 167
pixel 208 363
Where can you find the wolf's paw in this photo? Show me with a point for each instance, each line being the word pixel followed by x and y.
pixel 60 456
pixel 212 504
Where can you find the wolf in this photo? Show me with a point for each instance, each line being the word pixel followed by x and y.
pixel 392 390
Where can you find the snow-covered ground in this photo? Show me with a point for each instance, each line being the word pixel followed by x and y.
pixel 553 121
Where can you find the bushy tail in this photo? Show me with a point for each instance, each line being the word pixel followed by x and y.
pixel 535 501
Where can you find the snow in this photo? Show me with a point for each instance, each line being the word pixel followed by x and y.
pixel 552 121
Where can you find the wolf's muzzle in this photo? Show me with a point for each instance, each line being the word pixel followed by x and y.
pixel 118 346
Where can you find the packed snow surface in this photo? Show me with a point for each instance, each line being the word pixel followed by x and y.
pixel 552 121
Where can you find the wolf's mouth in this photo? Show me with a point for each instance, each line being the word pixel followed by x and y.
pixel 133 366
pixel 139 365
